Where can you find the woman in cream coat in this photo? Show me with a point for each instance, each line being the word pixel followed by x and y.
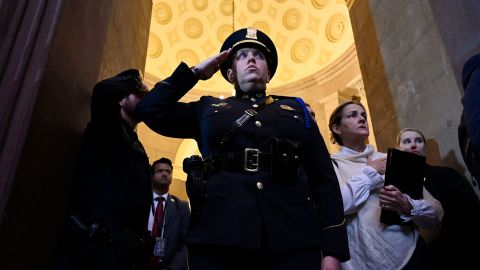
pixel 360 171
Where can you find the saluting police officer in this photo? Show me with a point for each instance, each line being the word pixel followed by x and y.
pixel 112 192
pixel 272 199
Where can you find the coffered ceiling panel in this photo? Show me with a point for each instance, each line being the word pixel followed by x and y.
pixel 309 35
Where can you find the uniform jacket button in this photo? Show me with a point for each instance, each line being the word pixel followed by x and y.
pixel 258 123
pixel 255 105
pixel 260 185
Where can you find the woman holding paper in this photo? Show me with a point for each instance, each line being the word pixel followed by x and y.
pixel 360 171
pixel 451 249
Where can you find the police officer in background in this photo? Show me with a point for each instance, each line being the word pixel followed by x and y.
pixel 113 192
pixel 271 199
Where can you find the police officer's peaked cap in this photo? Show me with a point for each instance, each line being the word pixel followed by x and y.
pixel 122 84
pixel 250 38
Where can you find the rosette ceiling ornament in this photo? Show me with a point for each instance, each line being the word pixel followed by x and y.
pixel 308 34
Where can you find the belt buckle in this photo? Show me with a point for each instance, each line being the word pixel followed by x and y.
pixel 251 159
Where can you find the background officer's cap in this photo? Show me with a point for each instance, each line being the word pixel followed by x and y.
pixel 249 38
pixel 121 85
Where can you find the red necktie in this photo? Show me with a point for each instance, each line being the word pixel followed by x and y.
pixel 158 218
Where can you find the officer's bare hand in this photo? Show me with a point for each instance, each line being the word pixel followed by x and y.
pixel 378 164
pixel 391 198
pixel 210 66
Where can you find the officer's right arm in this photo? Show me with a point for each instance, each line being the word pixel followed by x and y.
pixel 162 112
pixel 471 107
pixel 327 197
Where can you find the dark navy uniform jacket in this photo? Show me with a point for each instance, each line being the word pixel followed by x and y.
pixel 245 209
pixel 114 184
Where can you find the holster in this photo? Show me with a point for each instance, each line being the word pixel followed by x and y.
pixel 196 183
pixel 88 235
pixel 285 160
pixel 84 240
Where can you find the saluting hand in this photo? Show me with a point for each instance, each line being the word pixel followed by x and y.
pixel 210 66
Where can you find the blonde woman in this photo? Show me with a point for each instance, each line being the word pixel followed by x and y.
pixel 459 231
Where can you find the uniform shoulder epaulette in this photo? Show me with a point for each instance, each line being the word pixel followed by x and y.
pixel 282 97
pixel 306 114
pixel 209 97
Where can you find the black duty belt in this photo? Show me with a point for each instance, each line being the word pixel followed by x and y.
pixel 249 160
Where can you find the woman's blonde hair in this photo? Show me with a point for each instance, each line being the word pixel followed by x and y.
pixel 399 135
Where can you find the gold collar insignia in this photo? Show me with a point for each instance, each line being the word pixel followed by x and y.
pixel 286 107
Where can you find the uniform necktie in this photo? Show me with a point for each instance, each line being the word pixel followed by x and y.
pixel 158 218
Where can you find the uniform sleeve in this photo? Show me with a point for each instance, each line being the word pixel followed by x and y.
pixel 161 110
pixel 471 107
pixel 326 194
pixel 105 107
pixel 106 128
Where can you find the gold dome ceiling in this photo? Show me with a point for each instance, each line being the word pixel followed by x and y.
pixel 314 40
pixel 308 34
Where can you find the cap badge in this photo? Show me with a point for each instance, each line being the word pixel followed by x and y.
pixel 251 33
pixel 286 107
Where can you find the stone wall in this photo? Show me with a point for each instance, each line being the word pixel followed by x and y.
pixel 409 76
pixel 93 40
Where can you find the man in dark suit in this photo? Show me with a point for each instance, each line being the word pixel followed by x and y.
pixel 168 222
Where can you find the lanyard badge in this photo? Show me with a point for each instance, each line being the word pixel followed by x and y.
pixel 159 249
